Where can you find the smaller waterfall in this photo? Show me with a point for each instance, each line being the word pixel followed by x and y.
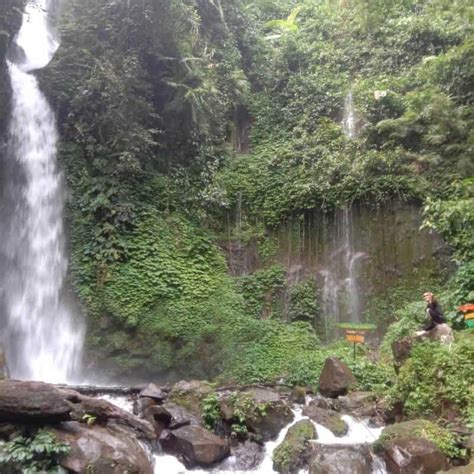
pixel 340 288
pixel 349 120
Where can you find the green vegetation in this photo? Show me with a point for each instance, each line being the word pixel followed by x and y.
pixel 445 440
pixel 435 377
pixel 30 455
pixel 191 124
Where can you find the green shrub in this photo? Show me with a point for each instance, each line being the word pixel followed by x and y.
pixel 30 455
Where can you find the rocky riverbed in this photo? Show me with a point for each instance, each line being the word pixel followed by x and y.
pixel 196 425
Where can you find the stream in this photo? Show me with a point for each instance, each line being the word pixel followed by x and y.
pixel 359 433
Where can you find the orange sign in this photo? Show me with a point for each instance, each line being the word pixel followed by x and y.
pixel 356 338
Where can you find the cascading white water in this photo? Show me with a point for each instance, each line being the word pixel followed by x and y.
pixel 349 118
pixel 42 339
pixel 340 289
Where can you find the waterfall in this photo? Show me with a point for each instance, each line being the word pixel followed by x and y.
pixel 42 338
pixel 340 289
pixel 349 120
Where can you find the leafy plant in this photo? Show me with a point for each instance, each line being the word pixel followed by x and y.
pixel 210 411
pixel 39 453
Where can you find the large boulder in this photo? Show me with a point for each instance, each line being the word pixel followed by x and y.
pixel 442 333
pixel 181 416
pixel 358 404
pixel 195 446
pixel 335 378
pixel 329 419
pixel 291 455
pixel 263 411
pixel 403 455
pixel 103 412
pixel 100 449
pixel 4 372
pixel 340 459
pixel 405 447
pixel 190 395
pixel 32 402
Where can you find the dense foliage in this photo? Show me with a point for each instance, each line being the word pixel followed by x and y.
pixel 177 114
pixel 38 453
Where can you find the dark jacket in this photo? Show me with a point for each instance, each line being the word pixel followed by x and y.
pixel 433 310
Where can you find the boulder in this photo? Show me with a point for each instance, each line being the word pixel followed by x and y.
pixel 100 449
pixel 401 350
pixel 335 378
pixel 181 417
pixel 190 394
pixel 154 392
pixel 195 446
pixel 410 454
pixel 245 456
pixel 140 405
pixel 298 395
pixel 358 404
pixel 469 469
pixel 4 372
pixel 290 456
pixel 32 402
pixel 442 333
pixel 330 420
pixel 340 459
pixel 105 412
pixel 264 412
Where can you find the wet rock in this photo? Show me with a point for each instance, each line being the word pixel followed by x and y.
pixel 291 455
pixel 340 459
pixel 326 403
pixel 190 394
pixel 181 417
pixel 403 455
pixel 329 419
pixel 105 412
pixel 335 378
pixel 264 412
pixel 32 402
pixel 195 446
pixel 140 406
pixel 298 395
pixel 358 404
pixel 154 392
pixel 100 449
pixel 245 456
pixel 4 372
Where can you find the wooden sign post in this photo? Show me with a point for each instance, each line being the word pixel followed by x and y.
pixel 355 333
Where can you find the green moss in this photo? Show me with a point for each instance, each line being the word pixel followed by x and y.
pixel 445 440
pixel 288 456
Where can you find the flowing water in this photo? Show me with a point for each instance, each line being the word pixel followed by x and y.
pixel 43 341
pixel 349 119
pixel 359 433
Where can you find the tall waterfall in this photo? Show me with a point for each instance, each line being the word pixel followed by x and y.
pixel 43 341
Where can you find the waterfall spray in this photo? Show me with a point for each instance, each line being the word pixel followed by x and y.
pixel 42 338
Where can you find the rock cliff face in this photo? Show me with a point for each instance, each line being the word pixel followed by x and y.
pixel 10 22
